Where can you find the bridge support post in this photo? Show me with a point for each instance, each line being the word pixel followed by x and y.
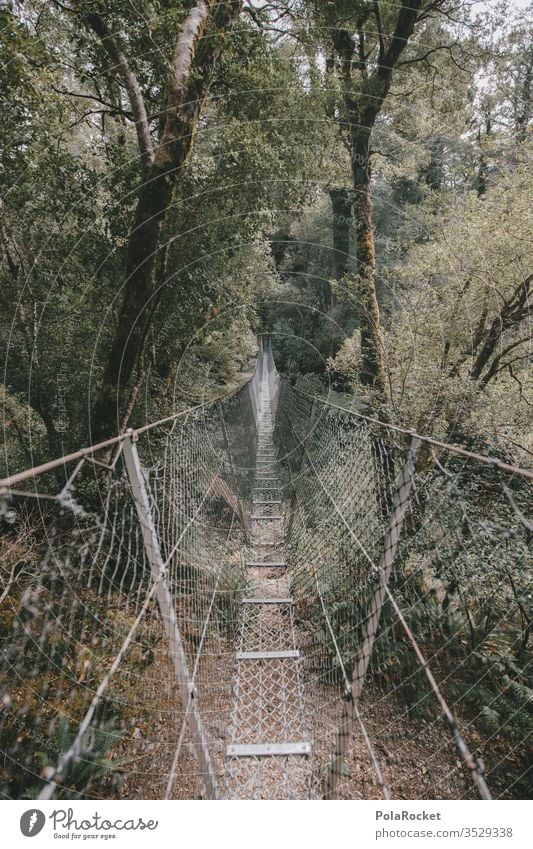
pixel 390 547
pixel 303 458
pixel 241 513
pixel 168 614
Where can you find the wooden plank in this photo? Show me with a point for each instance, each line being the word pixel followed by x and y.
pixel 267 601
pixel 266 750
pixel 267 518
pixel 256 564
pixel 268 655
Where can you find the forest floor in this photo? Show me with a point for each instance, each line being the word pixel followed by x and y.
pixel 417 757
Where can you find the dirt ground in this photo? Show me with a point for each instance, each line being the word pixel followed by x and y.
pixel 417 758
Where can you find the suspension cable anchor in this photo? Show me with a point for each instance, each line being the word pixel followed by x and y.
pixel 132 434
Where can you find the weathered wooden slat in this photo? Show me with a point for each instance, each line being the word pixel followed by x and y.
pixel 256 564
pixel 268 655
pixel 266 750
pixel 267 601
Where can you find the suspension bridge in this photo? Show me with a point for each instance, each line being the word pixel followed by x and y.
pixel 212 596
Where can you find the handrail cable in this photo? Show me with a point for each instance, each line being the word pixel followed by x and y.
pixel 475 767
pixel 454 449
pixel 7 483
pixel 35 471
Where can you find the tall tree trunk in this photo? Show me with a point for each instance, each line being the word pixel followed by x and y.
pixel 341 204
pixel 154 199
pixel 373 370
pixel 523 110
pixel 363 102
pixel 364 97
pixel 190 74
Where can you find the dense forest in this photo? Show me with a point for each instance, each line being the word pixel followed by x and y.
pixel 350 178
pixel 370 210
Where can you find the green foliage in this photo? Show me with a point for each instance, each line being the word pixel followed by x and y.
pixel 247 247
pixel 94 767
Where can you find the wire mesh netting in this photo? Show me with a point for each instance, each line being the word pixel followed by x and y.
pixel 89 685
pixel 407 560
pixel 269 754
pixel 268 597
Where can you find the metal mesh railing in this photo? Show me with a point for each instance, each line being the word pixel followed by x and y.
pixel 123 620
pixel 269 756
pixel 265 597
pixel 406 557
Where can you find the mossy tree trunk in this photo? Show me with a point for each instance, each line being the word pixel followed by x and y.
pixel 197 53
pixel 341 206
pixel 372 371
pixel 365 88
pixel 341 223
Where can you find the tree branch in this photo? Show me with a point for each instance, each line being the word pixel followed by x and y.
pixel 497 366
pixel 405 24
pixel 522 397
pixel 180 73
pixel 78 94
pixel 512 312
pixel 379 25
pixel 96 23
pixel 185 46
pixel 425 56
